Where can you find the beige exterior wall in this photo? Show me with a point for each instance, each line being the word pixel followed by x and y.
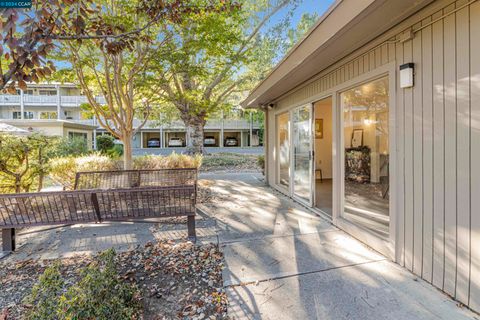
pixel 437 133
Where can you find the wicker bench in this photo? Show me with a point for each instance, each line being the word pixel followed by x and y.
pixel 101 200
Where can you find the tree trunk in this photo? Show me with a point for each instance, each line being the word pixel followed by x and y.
pixel 194 135
pixel 127 152
pixel 18 184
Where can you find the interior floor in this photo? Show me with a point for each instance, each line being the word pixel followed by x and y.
pixel 367 205
pixel 324 195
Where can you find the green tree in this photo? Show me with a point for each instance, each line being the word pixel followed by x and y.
pixel 202 64
pixel 24 162
pixel 117 71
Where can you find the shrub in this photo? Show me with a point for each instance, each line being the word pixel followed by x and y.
pixel 63 170
pixel 99 294
pixel 224 160
pixel 75 146
pixel 171 161
pixel 261 161
pixel 116 151
pixel 105 142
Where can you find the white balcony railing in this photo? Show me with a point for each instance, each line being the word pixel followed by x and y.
pixel 7 99
pixel 42 100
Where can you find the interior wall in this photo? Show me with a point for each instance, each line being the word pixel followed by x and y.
pixel 437 132
pixel 323 147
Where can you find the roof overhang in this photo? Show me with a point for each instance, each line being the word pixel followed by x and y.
pixel 345 27
pixel 25 123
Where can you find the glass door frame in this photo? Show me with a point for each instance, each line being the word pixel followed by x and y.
pixel 309 201
pixel 334 120
pixel 386 247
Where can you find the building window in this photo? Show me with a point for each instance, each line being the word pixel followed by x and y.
pixel 47 92
pixel 68 115
pixel 77 135
pixel 30 91
pixel 26 115
pixel 48 115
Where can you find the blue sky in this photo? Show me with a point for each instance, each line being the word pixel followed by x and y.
pixel 318 6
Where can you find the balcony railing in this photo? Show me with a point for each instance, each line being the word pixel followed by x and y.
pixel 42 100
pixel 178 125
pixel 9 99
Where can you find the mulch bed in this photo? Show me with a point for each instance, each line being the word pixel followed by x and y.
pixel 178 280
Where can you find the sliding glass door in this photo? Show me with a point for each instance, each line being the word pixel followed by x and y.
pixel 302 155
pixel 367 153
pixel 283 147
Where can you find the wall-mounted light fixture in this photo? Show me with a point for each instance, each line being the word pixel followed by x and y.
pixel 406 75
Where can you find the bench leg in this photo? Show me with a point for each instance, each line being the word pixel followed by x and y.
pixel 8 240
pixel 192 236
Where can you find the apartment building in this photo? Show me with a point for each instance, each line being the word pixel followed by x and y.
pixel 54 109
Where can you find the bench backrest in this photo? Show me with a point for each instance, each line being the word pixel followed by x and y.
pixel 63 207
pixel 135 178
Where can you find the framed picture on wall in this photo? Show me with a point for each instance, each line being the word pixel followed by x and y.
pixel 318 128
pixel 357 138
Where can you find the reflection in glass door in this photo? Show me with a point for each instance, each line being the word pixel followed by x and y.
pixel 301 143
pixel 283 147
pixel 367 153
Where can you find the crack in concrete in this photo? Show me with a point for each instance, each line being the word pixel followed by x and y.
pixel 256 282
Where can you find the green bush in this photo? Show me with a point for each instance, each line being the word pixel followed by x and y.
pixel 72 146
pixel 171 161
pixel 261 161
pixel 116 151
pixel 99 294
pixel 63 170
pixel 105 142
pixel 227 160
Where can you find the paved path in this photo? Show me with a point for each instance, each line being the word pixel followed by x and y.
pixel 283 262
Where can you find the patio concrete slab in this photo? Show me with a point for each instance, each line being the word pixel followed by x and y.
pixel 284 262
pixel 280 256
pixel 71 240
pixel 372 290
pixel 251 210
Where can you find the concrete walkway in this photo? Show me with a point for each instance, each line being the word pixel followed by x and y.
pixel 283 262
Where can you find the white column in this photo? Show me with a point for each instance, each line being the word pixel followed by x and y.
pixel 22 104
pixel 162 142
pixel 94 139
pixel 222 128
pixel 59 108
pixel 251 129
pixel 141 139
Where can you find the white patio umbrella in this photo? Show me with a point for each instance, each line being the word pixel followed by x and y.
pixel 6 128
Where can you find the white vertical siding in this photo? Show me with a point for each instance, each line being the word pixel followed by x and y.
pixel 438 153
pixel 427 149
pixel 437 142
pixel 474 300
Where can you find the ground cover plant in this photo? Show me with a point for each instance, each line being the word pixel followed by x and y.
pixel 229 161
pixel 161 280
pixel 99 293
